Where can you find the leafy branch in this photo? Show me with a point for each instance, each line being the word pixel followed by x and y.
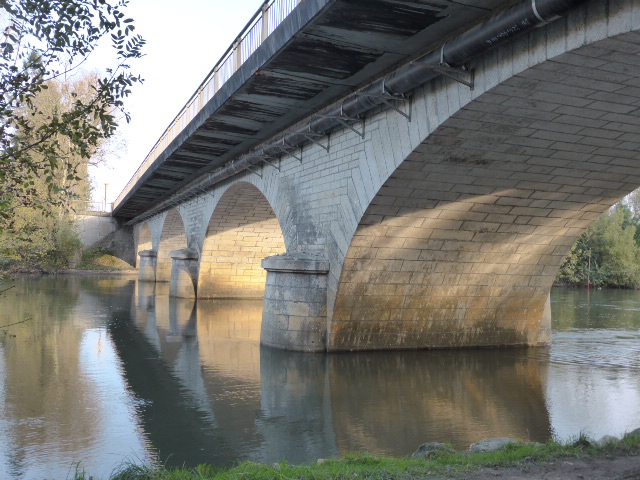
pixel 43 41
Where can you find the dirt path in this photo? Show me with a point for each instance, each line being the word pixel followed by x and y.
pixel 587 468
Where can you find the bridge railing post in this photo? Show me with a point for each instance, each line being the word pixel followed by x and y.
pixel 237 54
pixel 265 22
pixel 216 80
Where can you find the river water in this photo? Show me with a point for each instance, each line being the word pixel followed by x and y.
pixel 104 370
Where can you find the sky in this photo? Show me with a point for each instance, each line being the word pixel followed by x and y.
pixel 184 39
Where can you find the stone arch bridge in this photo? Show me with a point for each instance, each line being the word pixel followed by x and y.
pixel 437 219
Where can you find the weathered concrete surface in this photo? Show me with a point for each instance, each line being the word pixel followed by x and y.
pixel 94 226
pixel 173 238
pixel 448 229
pixel 119 243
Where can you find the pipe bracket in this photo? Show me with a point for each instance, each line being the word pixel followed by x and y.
pixel 461 75
pixel 311 136
pixel 259 173
pixel 287 150
pixel 343 120
pixel 387 98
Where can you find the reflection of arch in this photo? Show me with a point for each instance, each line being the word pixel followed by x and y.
pixel 144 240
pixel 173 238
pixel 243 230
pixel 440 391
pixel 460 245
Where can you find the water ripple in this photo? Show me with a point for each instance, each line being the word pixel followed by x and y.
pixel 597 348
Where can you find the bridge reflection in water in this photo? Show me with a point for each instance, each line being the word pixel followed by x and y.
pixel 208 392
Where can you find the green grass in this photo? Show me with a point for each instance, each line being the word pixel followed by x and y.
pixel 102 261
pixel 368 467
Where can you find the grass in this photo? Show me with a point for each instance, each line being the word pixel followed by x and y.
pixel 368 467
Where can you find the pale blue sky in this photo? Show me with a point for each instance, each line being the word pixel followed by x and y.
pixel 184 41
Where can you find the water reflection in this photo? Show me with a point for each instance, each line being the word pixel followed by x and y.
pixel 386 402
pixel 112 368
pixel 55 366
pixel 270 405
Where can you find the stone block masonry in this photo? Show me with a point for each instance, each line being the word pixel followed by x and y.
pixel 295 304
pixel 184 273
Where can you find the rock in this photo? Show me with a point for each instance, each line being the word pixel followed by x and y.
pixel 491 444
pixel 321 461
pixel 607 439
pixel 632 432
pixel 427 450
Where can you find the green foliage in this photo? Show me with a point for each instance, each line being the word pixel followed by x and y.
pixel 51 129
pixel 607 254
pixel 365 466
pixel 101 259
pixel 42 42
pixel 39 242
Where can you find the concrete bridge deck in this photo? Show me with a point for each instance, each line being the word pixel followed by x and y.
pixel 439 216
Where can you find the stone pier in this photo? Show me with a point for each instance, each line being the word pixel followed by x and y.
pixel 147 268
pixel 184 273
pixel 295 302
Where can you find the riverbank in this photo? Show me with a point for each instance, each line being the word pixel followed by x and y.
pixel 102 264
pixel 609 458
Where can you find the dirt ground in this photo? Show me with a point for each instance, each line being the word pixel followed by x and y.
pixel 588 468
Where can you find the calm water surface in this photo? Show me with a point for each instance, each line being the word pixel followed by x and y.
pixel 105 370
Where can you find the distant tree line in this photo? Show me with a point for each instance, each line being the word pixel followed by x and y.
pixel 607 254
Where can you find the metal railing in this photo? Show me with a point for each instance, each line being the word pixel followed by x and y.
pixel 256 31
pixel 94 206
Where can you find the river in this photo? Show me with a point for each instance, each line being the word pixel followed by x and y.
pixel 102 370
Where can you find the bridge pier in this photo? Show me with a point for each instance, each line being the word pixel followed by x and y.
pixel 148 264
pixel 295 302
pixel 184 273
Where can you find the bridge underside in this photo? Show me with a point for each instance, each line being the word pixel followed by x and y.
pixel 243 230
pixel 462 243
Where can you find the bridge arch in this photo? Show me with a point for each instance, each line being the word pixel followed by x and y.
pixel 243 230
pixel 173 237
pixel 461 243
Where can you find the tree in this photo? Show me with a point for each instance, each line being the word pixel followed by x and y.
pixel 44 237
pixel 43 41
pixel 606 254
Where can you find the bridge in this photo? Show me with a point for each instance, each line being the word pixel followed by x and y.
pixel 395 174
